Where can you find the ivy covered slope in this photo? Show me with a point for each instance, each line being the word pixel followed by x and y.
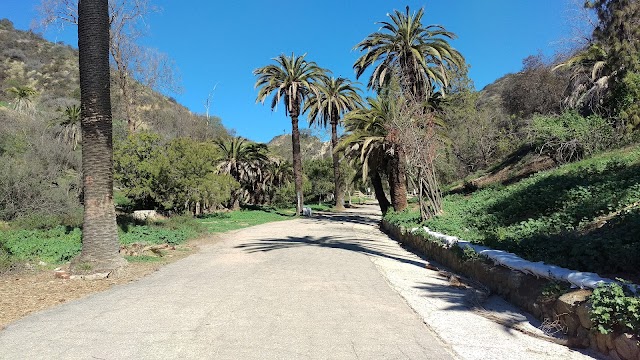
pixel 583 215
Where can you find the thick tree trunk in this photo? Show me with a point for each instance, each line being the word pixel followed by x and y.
pixel 297 157
pixel 398 180
pixel 100 245
pixel 378 190
pixel 338 191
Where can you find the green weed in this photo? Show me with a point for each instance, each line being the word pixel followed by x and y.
pixel 143 259
pixel 615 308
pixel 238 219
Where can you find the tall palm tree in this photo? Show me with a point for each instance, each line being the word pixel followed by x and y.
pixel 245 162
pixel 336 97
pixel 292 79
pixel 420 56
pixel 100 245
pixel 368 142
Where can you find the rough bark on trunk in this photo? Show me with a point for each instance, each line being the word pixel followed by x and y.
pixel 100 245
pixel 398 180
pixel 297 157
pixel 338 191
pixel 378 189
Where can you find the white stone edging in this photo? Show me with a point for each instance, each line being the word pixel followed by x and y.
pixel 514 262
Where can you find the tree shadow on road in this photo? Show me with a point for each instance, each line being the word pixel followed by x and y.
pixel 363 246
pixel 492 308
pixel 360 218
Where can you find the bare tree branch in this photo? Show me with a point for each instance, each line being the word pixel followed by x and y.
pixel 131 61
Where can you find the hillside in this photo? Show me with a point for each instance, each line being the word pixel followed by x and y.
pixel 583 215
pixel 311 147
pixel 40 181
pixel 51 69
pixel 491 95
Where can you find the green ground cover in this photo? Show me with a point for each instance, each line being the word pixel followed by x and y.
pixel 221 222
pixel 584 215
pixel 60 244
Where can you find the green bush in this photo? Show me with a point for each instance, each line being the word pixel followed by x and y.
pixel 569 137
pixel 149 234
pixel 319 174
pixel 406 218
pixel 614 307
pixel 122 202
pixel 36 221
pixel 167 176
pixel 285 196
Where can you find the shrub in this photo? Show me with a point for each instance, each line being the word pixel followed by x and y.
pixel 153 175
pixel 614 307
pixel 6 24
pixel 174 230
pixel 285 196
pixel 15 54
pixel 33 190
pixel 571 137
pixel 36 221
pixel 406 218
pixel 150 234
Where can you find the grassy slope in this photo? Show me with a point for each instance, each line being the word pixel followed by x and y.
pixel 584 215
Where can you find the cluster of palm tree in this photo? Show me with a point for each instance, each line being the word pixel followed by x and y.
pixel 404 51
pixel 251 166
pixel 411 62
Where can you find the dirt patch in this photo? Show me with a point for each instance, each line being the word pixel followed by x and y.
pixel 28 291
pixel 516 172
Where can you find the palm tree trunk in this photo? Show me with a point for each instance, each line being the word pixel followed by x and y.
pixel 100 245
pixel 378 189
pixel 297 157
pixel 398 180
pixel 338 191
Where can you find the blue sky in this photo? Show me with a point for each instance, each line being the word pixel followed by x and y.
pixel 220 43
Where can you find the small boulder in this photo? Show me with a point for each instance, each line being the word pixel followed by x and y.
pixel 61 274
pixel 626 346
pixel 614 355
pixel 604 342
pixel 144 215
pixel 583 314
pixel 91 277
pixel 566 303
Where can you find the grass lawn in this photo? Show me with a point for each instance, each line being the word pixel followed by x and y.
pixel 221 222
pixel 61 244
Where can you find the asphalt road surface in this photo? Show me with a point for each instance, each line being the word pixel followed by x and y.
pixel 299 289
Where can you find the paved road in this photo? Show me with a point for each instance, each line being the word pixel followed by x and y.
pixel 300 289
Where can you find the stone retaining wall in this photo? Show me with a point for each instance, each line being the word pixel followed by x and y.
pixel 569 312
